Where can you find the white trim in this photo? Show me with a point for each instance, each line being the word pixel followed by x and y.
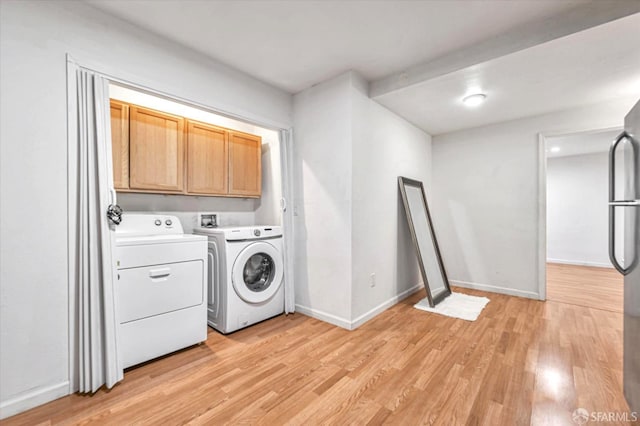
pixel 589 131
pixel 324 316
pixel 580 263
pixel 542 200
pixel 496 289
pixel 352 325
pixel 33 398
pixel 525 36
pixel 122 78
pixel 72 144
pixel 384 305
pixel 542 218
pixel 285 138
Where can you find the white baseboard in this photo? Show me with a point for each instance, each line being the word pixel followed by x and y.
pixel 324 316
pixel 33 398
pixel 496 289
pixel 580 263
pixel 383 306
pixel 352 325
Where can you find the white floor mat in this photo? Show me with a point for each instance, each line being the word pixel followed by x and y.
pixel 457 305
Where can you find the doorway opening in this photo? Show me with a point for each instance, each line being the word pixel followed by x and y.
pixel 578 269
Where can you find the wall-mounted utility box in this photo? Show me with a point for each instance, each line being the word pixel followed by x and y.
pixel 208 220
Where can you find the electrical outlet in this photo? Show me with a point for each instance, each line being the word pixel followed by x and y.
pixel 372 280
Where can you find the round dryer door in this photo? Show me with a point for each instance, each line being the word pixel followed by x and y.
pixel 257 272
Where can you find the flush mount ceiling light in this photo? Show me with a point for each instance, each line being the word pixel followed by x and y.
pixel 474 100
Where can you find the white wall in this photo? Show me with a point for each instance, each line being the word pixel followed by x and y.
pixel 34 38
pixel 485 188
pixel 385 146
pixel 577 209
pixel 268 210
pixel 350 223
pixel 322 204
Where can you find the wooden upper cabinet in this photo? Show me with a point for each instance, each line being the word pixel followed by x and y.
pixel 207 159
pixel 157 150
pixel 162 153
pixel 120 144
pixel 245 164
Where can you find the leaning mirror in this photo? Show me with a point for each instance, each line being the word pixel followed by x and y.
pixel 434 276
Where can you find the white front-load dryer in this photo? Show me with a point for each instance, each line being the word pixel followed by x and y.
pixel 245 275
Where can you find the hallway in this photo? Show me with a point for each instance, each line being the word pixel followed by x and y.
pixel 591 287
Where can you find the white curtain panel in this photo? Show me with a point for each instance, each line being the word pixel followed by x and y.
pixel 286 152
pixel 97 357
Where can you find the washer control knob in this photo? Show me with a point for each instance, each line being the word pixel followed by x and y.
pixel 168 222
pixel 256 232
pixel 158 222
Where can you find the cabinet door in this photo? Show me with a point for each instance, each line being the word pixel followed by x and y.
pixel 120 144
pixel 245 164
pixel 157 150
pixel 207 159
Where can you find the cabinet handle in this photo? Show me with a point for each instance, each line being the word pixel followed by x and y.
pixel 160 273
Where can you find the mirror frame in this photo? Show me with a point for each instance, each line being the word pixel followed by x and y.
pixel 402 183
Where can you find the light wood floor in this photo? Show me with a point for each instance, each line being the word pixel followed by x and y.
pixel 600 288
pixel 522 362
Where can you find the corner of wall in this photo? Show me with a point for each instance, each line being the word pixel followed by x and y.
pixel 384 146
pixel 359 83
pixel 375 311
pixel 323 152
pixel 324 316
pixel 378 146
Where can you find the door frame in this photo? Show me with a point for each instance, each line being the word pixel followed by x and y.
pixel 121 77
pixel 543 138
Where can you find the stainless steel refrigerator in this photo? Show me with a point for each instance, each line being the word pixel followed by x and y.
pixel 624 242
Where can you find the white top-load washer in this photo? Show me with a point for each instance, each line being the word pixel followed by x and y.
pixel 246 274
pixel 161 288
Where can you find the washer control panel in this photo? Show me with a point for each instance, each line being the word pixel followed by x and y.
pixel 245 233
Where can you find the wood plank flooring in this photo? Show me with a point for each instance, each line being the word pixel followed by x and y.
pixel 600 288
pixel 522 362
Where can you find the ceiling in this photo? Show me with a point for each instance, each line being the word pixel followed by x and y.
pixel 584 68
pixel 580 143
pixel 296 44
